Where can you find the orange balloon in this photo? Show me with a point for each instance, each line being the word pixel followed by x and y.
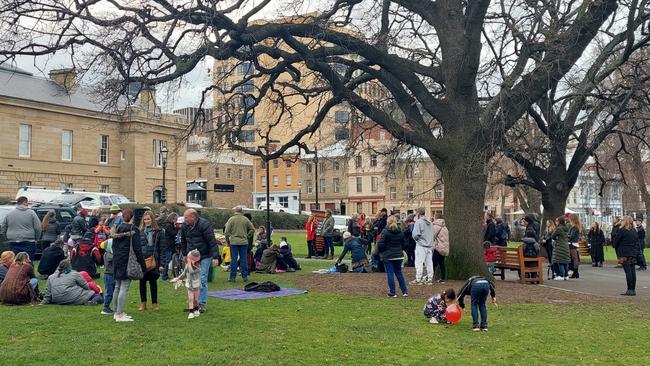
pixel 453 313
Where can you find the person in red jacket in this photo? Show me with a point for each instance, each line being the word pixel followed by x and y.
pixel 311 226
pixel 85 256
pixel 93 286
pixel 490 254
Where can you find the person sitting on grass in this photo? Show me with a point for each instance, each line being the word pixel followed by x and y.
pixel 478 288
pixel 67 287
pixel 356 246
pixel 93 286
pixel 490 254
pixel 20 286
pixel 192 275
pixel 288 262
pixel 436 305
pixel 85 256
pixel 6 259
pixel 269 260
pixel 225 254
pixel 50 259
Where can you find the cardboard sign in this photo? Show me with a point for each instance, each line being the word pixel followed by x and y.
pixel 320 243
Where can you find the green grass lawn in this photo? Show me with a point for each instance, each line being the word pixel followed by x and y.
pixel 320 329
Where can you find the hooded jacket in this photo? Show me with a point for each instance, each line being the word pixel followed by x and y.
pixel 561 252
pixel 441 235
pixel 390 245
pixel 626 243
pixel 67 288
pixel 21 224
pixel 423 232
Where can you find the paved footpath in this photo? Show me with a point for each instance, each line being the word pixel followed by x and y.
pixel 604 281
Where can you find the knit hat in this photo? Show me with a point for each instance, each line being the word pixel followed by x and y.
pixel 115 208
pixel 346 235
pixel 194 256
pixel 7 257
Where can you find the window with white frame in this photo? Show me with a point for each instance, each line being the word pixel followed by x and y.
pixel 373 160
pixel 263 181
pixel 228 173
pixel 336 185
pixel 24 183
pixel 276 181
pixel 122 155
pixel 216 172
pixel 374 184
pixel 66 145
pixel 103 188
pixel 310 186
pixel 240 174
pixel 409 192
pixel 392 193
pixel 25 138
pixel 199 172
pixel 283 201
pixel 336 165
pixel 287 180
pixel 359 185
pixel 103 149
pixel 308 167
pixel 437 193
pixel 157 146
pixel 322 185
pixel 357 161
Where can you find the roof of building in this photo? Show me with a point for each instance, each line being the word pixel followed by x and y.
pixel 20 84
pixel 337 150
pixel 223 157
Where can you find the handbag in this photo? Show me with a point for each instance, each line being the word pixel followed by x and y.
pixel 150 263
pixel 133 267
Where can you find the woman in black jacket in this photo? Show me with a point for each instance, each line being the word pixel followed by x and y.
pixel 150 235
pixel 390 247
pixel 627 246
pixel 596 240
pixel 50 230
pixel 167 243
pixel 125 237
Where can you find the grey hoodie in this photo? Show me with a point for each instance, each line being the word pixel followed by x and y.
pixel 423 232
pixel 21 224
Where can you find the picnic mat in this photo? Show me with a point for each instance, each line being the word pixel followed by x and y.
pixel 240 294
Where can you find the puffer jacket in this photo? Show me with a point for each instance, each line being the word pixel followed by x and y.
pixel 441 235
pixel 390 245
pixel 124 237
pixel 626 243
pixel 79 227
pixel 199 237
pixel 561 252
pixel 168 237
pixel 67 289
pixel 153 248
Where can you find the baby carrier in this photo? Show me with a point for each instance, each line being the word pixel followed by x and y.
pixel 84 260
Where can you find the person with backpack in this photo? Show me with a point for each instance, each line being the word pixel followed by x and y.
pixel 440 245
pixel 502 233
pixel 85 256
pixel 530 243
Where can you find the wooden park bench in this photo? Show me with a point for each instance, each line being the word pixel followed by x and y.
pixel 583 251
pixel 513 259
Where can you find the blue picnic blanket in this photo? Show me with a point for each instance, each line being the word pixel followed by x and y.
pixel 240 294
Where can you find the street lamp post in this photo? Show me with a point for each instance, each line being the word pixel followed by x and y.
pixel 265 158
pixel 316 176
pixel 163 157
pixel 299 198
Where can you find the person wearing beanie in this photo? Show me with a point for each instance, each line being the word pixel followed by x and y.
pixel 5 261
pixel 79 225
pixel 85 256
pixel 50 259
pixel 192 275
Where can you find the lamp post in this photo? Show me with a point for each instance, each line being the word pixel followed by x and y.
pixel 265 158
pixel 163 157
pixel 316 175
pixel 300 198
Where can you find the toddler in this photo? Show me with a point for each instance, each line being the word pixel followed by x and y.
pixel 109 280
pixel 225 254
pixel 192 275
pixel 435 307
pixel 490 254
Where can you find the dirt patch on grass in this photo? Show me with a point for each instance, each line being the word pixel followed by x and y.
pixel 508 292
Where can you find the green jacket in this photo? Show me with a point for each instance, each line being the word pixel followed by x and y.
pixel 238 229
pixel 561 245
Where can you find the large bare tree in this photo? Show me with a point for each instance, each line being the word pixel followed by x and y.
pixel 456 98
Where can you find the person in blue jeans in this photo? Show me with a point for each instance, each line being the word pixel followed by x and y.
pixel 478 288
pixel 109 280
pixel 390 248
pixel 328 235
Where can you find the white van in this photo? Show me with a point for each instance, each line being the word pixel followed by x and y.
pixel 89 200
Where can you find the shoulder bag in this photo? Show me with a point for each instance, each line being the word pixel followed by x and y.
pixel 133 268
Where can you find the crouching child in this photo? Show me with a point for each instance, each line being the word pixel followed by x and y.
pixel 435 307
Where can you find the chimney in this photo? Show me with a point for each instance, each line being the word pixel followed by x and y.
pixel 65 78
pixel 148 99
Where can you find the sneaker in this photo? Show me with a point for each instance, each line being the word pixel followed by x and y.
pixel 115 316
pixel 476 329
pixel 202 308
pixel 566 278
pixel 123 319
pixel 558 278
pixel 429 283
pixel 196 313
pixel 278 270
pixel 106 312
pixel 433 320
pixel 392 295
pixel 441 281
pixel 416 282
pixel 191 315
pixel 570 273
pixel 405 295
pixel 484 329
pixel 231 280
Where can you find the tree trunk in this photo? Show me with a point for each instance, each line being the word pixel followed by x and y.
pixel 554 200
pixel 464 203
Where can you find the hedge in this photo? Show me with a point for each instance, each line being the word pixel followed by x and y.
pixel 218 217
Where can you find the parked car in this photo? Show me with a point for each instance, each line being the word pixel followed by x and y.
pixel 274 207
pixel 64 216
pixel 340 226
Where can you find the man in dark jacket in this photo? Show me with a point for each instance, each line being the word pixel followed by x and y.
pixel 490 229
pixel 502 233
pixel 380 224
pixel 641 233
pixel 50 259
pixel 197 233
pixel 79 225
pixel 167 243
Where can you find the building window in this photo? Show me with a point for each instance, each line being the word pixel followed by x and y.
pixel 322 166
pixel 359 185
pixel 373 160
pixel 246 68
pixel 122 155
pixel 382 135
pixel 199 172
pixel 240 174
pixel 246 136
pixel 250 119
pixel 310 186
pixel 263 181
pixel 357 161
pixel 287 163
pixel 25 145
pixel 336 165
pixel 287 180
pixel 409 192
pixel 374 184
pixel 391 173
pixel 276 164
pixel 246 87
pixel 409 171
pixel 336 185
pixel 437 192
pixel 392 193
pixel 157 146
pixel 284 201
pixel 103 149
pixel 251 174
pixel 308 167
pixel 103 188
pixel 65 186
pixel 228 173
pixel 66 145
pixel 262 164
pixel 359 207
pixel 341 116
pixel 24 183
pixel 216 172
pixel 322 185
pixel 341 133
pixel 276 181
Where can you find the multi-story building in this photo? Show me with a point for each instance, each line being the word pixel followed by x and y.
pixel 587 202
pixel 199 136
pixel 57 135
pixel 283 181
pixel 324 176
pixel 223 180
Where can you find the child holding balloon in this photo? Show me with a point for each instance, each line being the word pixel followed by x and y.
pixel 436 306
pixel 478 288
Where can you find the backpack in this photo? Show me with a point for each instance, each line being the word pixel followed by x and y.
pixel 504 233
pixel 531 248
pixel 83 260
pixel 267 286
